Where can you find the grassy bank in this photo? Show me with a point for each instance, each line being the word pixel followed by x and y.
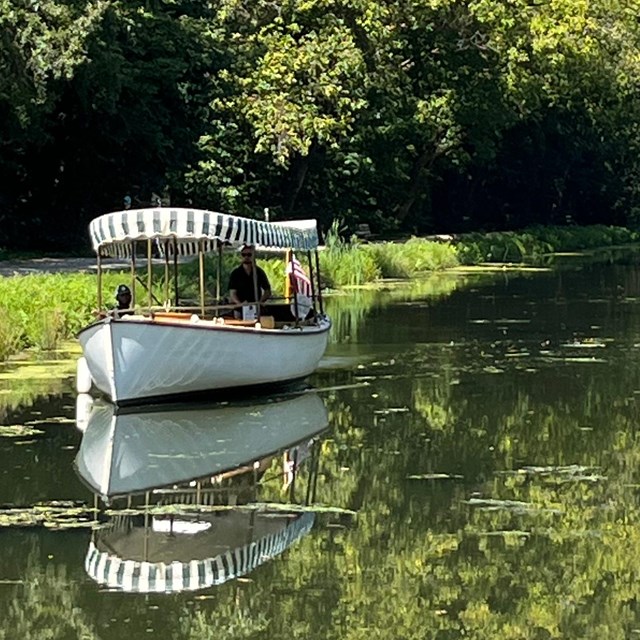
pixel 536 243
pixel 39 311
pixel 349 262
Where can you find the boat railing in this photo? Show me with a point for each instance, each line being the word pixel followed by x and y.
pixel 274 306
pixel 273 316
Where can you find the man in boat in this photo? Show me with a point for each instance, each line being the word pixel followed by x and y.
pixel 248 283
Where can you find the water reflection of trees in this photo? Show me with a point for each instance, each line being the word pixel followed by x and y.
pixel 550 551
pixel 524 546
pixel 538 539
pixel 349 308
pixel 44 604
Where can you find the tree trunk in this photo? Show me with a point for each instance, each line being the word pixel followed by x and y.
pixel 421 167
pixel 300 174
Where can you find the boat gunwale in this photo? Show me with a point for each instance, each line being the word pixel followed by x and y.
pixel 208 325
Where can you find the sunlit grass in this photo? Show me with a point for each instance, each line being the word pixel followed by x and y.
pixel 348 266
pixel 346 262
pixel 413 257
pixel 534 243
pixel 42 310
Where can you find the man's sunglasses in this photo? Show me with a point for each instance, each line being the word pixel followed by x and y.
pixel 246 255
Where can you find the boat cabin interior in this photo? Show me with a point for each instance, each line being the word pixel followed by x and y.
pixel 158 243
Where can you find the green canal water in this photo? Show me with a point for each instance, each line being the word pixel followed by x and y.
pixel 465 464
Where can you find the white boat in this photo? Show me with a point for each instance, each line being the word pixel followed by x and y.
pixel 170 349
pixel 126 451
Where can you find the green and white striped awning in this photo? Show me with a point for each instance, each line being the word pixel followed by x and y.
pixel 136 576
pixel 185 231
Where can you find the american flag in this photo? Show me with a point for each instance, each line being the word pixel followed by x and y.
pixel 298 279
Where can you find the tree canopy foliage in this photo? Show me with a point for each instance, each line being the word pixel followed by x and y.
pixel 420 115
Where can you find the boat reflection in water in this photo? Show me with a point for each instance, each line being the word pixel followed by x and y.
pixel 183 487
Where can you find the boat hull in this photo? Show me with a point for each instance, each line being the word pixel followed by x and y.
pixel 133 360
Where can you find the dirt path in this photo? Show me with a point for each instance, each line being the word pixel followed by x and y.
pixel 54 265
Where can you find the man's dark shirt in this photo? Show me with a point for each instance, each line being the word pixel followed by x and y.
pixel 242 282
pixel 122 309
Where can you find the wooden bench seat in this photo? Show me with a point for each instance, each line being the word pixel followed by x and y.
pixel 172 316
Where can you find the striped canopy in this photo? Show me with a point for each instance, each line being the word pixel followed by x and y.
pixel 185 231
pixel 120 574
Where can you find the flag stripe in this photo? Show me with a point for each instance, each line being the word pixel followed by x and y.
pixel 300 282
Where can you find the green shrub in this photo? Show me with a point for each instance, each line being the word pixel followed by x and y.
pixel 506 246
pixel 10 334
pixel 535 242
pixel 346 262
pixel 40 310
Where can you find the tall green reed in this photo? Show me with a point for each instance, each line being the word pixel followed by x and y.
pixel 413 257
pixel 40 310
pixel 10 334
pixel 346 262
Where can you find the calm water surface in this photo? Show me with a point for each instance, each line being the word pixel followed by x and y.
pixel 467 466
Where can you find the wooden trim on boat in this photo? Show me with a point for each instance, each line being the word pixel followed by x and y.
pixel 170 316
pixel 266 324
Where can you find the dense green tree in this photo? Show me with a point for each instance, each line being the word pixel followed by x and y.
pixel 119 117
pixel 416 115
pixel 41 46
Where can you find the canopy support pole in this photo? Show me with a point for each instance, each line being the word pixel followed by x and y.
pixel 312 279
pixel 99 265
pixel 133 273
pixel 287 281
pixel 320 303
pixel 201 268
pixel 175 271
pixel 149 274
pixel 254 271
pixel 218 274
pixel 294 287
pixel 166 272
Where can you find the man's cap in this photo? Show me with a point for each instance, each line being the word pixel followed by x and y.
pixel 122 289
